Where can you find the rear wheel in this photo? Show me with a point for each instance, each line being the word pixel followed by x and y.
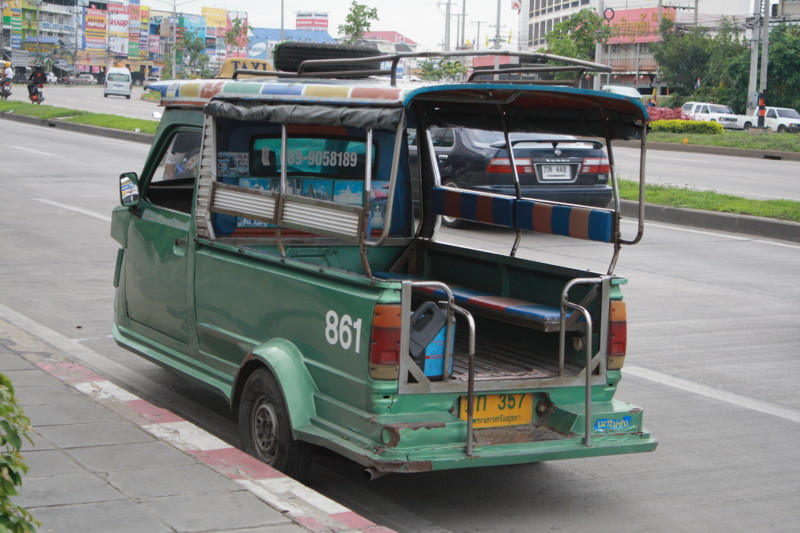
pixel 265 429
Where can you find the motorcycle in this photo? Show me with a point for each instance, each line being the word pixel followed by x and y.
pixel 5 90
pixel 37 95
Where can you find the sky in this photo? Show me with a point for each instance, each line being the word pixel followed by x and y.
pixel 422 21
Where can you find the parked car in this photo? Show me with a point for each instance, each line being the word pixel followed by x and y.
pixel 559 168
pixel 86 79
pixel 624 90
pixel 148 80
pixel 51 78
pixel 778 119
pixel 711 112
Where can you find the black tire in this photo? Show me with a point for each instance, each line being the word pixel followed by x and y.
pixel 747 125
pixel 265 429
pixel 781 129
pixel 450 222
pixel 289 55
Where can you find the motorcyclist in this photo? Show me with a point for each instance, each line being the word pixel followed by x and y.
pixel 37 77
pixel 8 75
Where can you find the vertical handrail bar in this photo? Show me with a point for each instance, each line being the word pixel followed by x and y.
pixel 587 438
pixel 470 377
pixel 562 329
pixel 565 303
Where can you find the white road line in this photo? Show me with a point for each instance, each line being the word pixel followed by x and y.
pixel 732 398
pixel 25 148
pixel 75 209
pixel 684 229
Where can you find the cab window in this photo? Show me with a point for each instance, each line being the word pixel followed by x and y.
pixel 172 183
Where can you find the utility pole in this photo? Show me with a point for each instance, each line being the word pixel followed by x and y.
pixel 463 41
pixel 762 96
pixel 478 35
pixel 598 49
pixel 446 45
pixel 497 30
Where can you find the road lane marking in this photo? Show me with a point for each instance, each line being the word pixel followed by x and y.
pixel 732 398
pixel 75 209
pixel 25 148
pixel 730 236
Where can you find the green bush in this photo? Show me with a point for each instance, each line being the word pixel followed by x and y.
pixel 686 126
pixel 13 428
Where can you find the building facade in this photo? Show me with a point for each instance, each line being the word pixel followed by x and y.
pixel 71 36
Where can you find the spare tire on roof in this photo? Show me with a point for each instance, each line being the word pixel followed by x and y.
pixel 289 55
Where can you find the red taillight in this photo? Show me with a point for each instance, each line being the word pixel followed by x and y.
pixel 502 165
pixel 617 334
pixel 596 165
pixel 384 346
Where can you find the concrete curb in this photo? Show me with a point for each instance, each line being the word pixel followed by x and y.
pixel 709 220
pixel 761 227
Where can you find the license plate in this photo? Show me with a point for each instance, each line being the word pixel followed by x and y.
pixel 556 172
pixel 496 410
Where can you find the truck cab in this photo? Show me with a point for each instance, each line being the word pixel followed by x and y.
pixel 271 251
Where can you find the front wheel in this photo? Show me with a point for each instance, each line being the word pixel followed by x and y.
pixel 781 129
pixel 265 429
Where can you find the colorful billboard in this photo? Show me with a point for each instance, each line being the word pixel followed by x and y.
pixel 95 29
pixel 118 28
pixel 638 25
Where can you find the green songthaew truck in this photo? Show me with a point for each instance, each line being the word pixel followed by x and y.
pixel 280 247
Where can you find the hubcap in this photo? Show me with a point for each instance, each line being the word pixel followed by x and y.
pixel 265 429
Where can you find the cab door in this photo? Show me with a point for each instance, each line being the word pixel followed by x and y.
pixel 157 251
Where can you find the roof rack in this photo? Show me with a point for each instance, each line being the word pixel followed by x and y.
pixel 573 65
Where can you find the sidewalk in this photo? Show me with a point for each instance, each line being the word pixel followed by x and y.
pixel 104 460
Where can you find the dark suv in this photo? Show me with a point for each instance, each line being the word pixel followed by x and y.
pixel 558 168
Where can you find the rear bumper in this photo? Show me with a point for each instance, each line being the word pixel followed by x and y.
pixel 597 196
pixel 423 447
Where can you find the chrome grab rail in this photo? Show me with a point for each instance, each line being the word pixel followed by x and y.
pixel 565 303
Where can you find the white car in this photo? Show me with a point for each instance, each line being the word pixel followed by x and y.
pixel 51 78
pixel 711 112
pixel 86 79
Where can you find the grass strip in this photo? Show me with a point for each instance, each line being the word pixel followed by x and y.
pixel 46 112
pixel 788 210
pixel 781 142
pixel 115 122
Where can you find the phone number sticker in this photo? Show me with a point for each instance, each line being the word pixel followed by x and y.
pixel 322 158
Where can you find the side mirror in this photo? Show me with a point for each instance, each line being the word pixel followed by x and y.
pixel 129 189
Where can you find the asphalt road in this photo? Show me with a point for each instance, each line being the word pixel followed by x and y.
pixel 712 358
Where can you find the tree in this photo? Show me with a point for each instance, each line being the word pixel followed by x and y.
pixel 783 75
pixel 682 56
pixel 441 68
pixel 357 22
pixel 195 57
pixel 236 37
pixel 578 35
pixel 719 61
pixel 14 426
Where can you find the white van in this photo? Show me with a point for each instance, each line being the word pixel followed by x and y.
pixel 118 82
